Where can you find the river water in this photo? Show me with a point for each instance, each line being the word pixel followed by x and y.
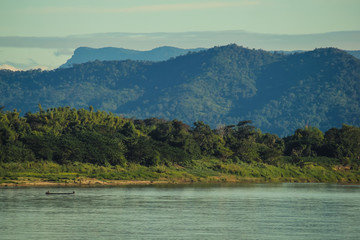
pixel 240 211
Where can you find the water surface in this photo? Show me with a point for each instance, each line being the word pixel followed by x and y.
pixel 244 211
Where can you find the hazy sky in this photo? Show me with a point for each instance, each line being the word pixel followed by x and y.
pixel 64 18
pixel 69 17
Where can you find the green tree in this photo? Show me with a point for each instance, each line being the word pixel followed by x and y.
pixel 306 142
pixel 343 143
pixel 205 138
pixel 144 151
pixel 270 147
pixel 241 139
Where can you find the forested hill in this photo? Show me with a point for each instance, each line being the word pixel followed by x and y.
pixel 221 85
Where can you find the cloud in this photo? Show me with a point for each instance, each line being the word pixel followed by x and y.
pixel 61 52
pixel 28 64
pixel 8 67
pixel 184 6
pixel 148 8
pixel 145 41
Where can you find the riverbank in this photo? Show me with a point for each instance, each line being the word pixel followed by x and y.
pixel 94 182
pixel 211 171
pixel 77 183
pixel 91 182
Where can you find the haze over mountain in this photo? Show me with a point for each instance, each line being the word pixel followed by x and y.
pixel 86 54
pixel 222 85
pixel 25 52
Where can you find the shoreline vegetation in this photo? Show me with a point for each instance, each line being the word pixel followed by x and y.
pixel 69 147
pixel 47 174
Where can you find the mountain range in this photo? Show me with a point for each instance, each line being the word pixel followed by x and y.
pixel 221 85
pixel 29 52
pixel 87 54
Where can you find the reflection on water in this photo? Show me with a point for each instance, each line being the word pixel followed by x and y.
pixel 246 211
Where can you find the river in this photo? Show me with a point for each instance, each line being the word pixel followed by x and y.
pixel 232 211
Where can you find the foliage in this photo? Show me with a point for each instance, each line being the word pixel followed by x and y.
pixel 60 143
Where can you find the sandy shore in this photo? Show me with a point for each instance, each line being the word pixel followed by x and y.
pixel 93 182
pixel 86 182
pixel 76 183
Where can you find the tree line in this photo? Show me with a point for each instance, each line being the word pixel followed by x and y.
pixel 64 135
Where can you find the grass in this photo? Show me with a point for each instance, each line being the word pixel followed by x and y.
pixel 203 170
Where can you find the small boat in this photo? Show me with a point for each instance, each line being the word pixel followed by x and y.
pixel 48 192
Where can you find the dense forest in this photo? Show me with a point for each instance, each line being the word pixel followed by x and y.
pixel 66 136
pixel 219 86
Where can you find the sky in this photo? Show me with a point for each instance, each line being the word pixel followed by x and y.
pixel 47 31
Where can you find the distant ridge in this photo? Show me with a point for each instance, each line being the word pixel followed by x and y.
pixel 355 53
pixel 86 54
pixel 60 49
